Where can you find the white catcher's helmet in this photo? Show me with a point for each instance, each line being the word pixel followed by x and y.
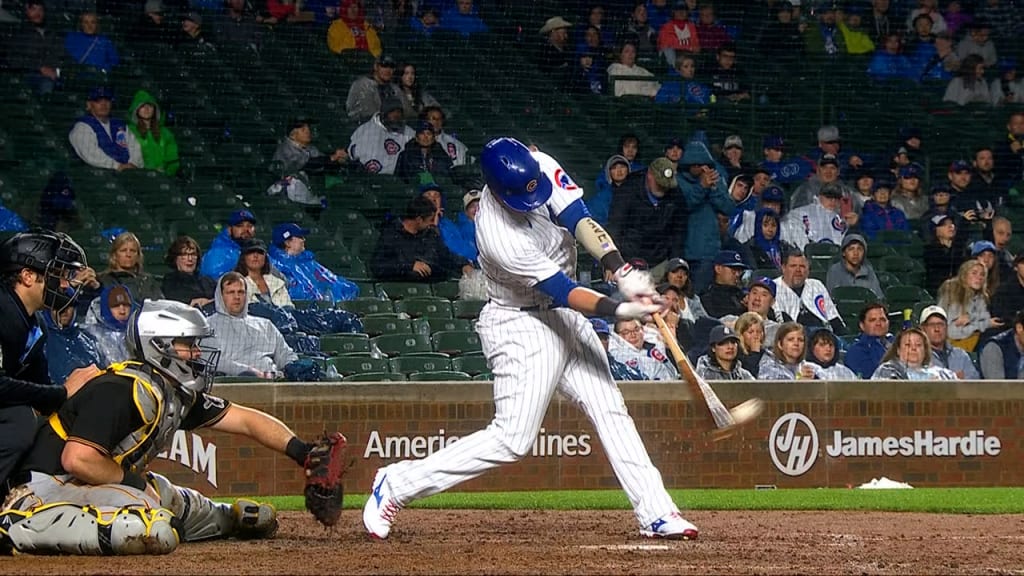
pixel 151 331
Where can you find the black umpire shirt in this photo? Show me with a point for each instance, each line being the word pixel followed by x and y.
pixel 22 357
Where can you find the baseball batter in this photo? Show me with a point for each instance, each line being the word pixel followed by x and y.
pixel 537 340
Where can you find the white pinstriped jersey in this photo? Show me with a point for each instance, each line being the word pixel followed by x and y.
pixel 519 250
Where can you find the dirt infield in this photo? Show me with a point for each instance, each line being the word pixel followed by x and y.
pixel 542 542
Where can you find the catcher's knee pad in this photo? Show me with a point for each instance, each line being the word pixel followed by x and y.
pixel 254 519
pixel 85 530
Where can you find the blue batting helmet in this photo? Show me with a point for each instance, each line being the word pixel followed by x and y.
pixel 512 173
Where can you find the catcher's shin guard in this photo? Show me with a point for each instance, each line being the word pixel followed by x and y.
pixel 204 519
pixel 62 528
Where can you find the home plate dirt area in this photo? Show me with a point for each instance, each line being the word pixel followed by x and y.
pixel 593 542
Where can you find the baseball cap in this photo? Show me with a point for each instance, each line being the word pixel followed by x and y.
pixel 675 142
pixel 881 183
pixel 296 123
pixel 731 259
pixel 424 126
pixel 960 166
pixel 194 17
pixel 766 283
pixel 389 104
pixel 940 189
pixel 721 333
pixel 851 238
pixel 153 7
pixel 828 134
pixel 908 132
pixel 101 93
pixel 118 296
pixel 665 287
pixel 386 61
pixel 733 141
pixel 772 194
pixel 664 172
pixel 600 326
pixel 830 190
pixel 774 141
pixel 982 246
pixel 254 245
pixel 239 216
pixel 912 170
pixel 677 263
pixel 930 311
pixel 470 197
pixel 828 159
pixel 283 232
pixel 938 219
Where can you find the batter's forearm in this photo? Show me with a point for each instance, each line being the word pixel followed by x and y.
pixel 599 243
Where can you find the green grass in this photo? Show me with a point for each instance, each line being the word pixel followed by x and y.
pixel 944 500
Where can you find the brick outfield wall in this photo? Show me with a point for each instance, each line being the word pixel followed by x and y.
pixel 879 415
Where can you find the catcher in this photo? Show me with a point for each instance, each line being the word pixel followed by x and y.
pixel 83 487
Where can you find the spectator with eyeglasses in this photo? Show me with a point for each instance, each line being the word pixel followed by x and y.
pixel 184 283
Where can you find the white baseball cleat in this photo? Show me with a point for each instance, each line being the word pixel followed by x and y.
pixel 670 527
pixel 381 508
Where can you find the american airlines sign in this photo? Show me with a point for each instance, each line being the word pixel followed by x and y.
pixel 794 445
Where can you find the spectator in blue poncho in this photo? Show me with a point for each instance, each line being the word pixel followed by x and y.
pixel 107 321
pixel 223 254
pixel 765 246
pixel 68 347
pixel 450 233
pixel 466 220
pixel 463 19
pixel 889 63
pixel 88 47
pixel 10 221
pixel 307 278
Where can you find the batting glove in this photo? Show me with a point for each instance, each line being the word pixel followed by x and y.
pixel 635 310
pixel 634 284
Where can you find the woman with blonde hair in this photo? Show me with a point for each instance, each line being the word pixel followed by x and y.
pixel 124 266
pixel 785 361
pixel 965 299
pixel 750 328
pixel 909 358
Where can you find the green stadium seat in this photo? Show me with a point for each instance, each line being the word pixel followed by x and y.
pixel 821 251
pixel 902 297
pixel 412 364
pixel 470 364
pixel 433 325
pixel 468 308
pixel 344 343
pixel 364 305
pixel 853 294
pixel 448 289
pixel 425 307
pixel 456 342
pixel 911 270
pixel 485 376
pixel 346 365
pixel 376 325
pixel 403 290
pixel 375 377
pixel 439 376
pixel 399 344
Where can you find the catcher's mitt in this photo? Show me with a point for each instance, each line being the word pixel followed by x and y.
pixel 325 465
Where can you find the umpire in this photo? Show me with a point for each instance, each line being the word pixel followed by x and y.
pixel 36 273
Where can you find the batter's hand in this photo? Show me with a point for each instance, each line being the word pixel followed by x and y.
pixel 634 284
pixel 636 310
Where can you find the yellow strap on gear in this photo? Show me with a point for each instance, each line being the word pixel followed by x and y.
pixel 55 423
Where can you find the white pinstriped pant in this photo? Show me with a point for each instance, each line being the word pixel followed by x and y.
pixel 532 354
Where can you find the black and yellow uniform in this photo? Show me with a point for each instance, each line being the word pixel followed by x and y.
pixel 110 414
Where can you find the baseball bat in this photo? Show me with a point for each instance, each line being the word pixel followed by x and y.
pixel 726 420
